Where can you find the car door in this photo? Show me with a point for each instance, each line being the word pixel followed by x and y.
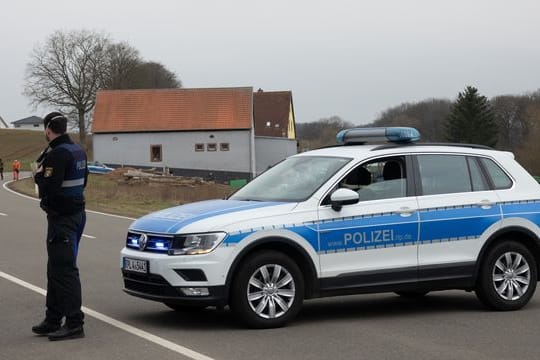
pixel 457 210
pixel 372 242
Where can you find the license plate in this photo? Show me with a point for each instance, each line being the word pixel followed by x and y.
pixel 135 265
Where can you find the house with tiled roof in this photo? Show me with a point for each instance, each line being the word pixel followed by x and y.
pixel 29 123
pixel 273 114
pixel 210 133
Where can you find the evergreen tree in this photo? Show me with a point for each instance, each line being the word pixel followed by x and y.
pixel 471 120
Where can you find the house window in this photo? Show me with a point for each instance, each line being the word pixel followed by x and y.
pixel 224 146
pixel 199 147
pixel 36 125
pixel 155 153
pixel 211 147
pixel 268 124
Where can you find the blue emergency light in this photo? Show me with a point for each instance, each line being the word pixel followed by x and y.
pixel 401 135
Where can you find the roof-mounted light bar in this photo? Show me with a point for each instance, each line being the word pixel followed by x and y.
pixel 390 134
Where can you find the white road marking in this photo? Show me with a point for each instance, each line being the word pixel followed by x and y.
pixel 88 236
pixel 2 214
pixel 119 324
pixel 88 211
pixel 16 193
pixel 116 323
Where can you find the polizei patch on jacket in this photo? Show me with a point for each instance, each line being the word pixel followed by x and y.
pixel 48 172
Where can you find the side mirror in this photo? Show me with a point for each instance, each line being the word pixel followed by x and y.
pixel 342 197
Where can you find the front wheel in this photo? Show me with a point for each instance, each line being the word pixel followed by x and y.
pixel 508 276
pixel 268 290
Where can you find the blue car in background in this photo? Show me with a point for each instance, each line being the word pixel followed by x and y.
pixel 95 167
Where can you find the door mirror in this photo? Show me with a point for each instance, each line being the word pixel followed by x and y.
pixel 342 197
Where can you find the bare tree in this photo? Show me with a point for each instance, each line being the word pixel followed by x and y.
pixel 320 133
pixel 123 61
pixel 510 115
pixel 153 75
pixel 66 72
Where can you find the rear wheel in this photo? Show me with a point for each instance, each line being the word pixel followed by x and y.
pixel 268 290
pixel 508 276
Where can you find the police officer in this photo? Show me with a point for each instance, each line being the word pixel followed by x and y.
pixel 61 178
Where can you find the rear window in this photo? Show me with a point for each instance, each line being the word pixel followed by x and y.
pixel 444 174
pixel 498 176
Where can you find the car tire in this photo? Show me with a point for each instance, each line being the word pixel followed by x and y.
pixel 267 291
pixel 507 277
pixel 412 294
pixel 185 308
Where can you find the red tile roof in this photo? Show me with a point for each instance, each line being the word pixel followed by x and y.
pixel 172 110
pixel 271 112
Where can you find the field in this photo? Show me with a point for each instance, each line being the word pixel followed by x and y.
pixel 107 193
pixel 25 146
pixel 111 194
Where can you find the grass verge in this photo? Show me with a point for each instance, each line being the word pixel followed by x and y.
pixel 110 194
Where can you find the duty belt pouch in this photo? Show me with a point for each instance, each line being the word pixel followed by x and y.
pixel 61 229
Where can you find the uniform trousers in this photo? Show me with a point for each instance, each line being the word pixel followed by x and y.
pixel 63 283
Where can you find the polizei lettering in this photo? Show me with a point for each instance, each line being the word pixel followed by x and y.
pixel 368 237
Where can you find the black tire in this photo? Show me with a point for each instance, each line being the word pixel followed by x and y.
pixel 284 294
pixel 510 290
pixel 411 294
pixel 185 308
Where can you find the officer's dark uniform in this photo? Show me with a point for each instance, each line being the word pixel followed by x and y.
pixel 61 185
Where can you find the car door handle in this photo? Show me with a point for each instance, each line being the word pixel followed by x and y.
pixel 486 204
pixel 405 211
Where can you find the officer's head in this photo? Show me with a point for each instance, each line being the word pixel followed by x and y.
pixel 55 125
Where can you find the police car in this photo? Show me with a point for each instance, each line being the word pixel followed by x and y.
pixel 401 217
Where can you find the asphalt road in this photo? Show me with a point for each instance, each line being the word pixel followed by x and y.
pixel 444 325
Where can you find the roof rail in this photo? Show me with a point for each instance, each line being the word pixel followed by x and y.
pixel 394 145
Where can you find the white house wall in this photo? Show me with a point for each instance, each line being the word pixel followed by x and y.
pixel 178 150
pixel 271 150
pixel 35 127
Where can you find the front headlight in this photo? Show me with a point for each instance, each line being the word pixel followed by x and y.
pixel 195 244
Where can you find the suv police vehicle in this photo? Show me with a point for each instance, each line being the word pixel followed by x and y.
pixel 400 217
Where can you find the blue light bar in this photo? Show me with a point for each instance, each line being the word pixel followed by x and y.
pixel 393 134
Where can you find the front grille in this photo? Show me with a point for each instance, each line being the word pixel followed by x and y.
pixel 150 284
pixel 159 243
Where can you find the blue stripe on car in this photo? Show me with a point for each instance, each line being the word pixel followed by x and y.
pixel 174 219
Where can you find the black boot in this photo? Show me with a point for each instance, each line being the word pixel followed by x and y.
pixel 65 333
pixel 44 328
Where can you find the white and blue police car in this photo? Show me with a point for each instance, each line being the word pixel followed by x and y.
pixel 401 217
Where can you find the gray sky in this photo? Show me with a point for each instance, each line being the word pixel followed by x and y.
pixel 352 59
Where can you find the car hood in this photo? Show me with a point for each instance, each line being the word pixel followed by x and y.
pixel 203 215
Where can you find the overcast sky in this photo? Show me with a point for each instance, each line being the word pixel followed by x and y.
pixel 352 59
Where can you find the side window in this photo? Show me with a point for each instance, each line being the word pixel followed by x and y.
pixel 444 174
pixel 477 179
pixel 378 179
pixel 155 153
pixel 497 175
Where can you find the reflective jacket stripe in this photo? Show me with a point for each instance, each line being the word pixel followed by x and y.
pixel 72 183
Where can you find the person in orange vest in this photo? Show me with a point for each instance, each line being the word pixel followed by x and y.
pixel 16 169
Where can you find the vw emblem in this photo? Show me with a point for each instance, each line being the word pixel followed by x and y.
pixel 143 239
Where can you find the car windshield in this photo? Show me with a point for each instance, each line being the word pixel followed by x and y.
pixel 292 180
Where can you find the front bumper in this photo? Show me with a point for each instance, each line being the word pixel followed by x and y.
pixel 156 288
pixel 167 275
